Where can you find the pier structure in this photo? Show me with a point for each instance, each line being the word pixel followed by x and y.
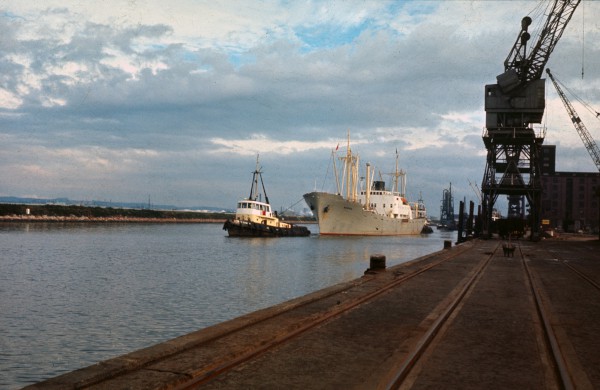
pixel 483 314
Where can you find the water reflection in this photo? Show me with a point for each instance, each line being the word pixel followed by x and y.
pixel 74 294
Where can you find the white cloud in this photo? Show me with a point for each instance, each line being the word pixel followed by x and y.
pixel 9 100
pixel 261 143
pixel 151 94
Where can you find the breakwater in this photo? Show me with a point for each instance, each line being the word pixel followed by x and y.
pixel 72 213
pixel 115 219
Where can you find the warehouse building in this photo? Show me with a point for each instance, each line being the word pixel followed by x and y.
pixel 570 200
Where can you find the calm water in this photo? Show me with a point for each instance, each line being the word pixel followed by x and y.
pixel 75 294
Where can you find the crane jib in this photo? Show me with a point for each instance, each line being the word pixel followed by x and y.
pixel 530 67
pixel 583 132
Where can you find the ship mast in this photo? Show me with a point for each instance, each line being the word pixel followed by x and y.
pixel 368 189
pixel 399 174
pixel 254 190
pixel 350 174
pixel 335 172
pixel 348 161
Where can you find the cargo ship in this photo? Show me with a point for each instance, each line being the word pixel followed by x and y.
pixel 373 211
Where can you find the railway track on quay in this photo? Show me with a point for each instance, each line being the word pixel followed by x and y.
pixel 565 360
pixel 566 285
pixel 467 317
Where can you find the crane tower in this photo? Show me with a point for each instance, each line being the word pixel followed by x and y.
pixel 513 105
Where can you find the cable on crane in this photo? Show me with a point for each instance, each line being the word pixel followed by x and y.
pixel 582 37
pixel 580 100
pixel 539 11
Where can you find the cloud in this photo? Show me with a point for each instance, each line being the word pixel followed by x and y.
pixel 261 143
pixel 118 100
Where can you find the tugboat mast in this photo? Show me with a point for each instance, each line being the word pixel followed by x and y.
pixel 254 190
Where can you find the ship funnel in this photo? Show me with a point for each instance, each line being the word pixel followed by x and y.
pixel 378 185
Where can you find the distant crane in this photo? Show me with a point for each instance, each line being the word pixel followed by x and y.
pixel 476 190
pixel 583 132
pixel 512 106
pixel 447 210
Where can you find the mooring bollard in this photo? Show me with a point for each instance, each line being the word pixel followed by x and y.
pixel 377 262
pixel 447 244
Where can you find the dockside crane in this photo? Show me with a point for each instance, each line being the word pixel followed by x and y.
pixel 583 132
pixel 512 106
pixel 476 190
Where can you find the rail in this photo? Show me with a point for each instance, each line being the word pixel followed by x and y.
pixel 340 310
pixel 402 372
pixel 568 372
pixel 543 313
pixel 515 132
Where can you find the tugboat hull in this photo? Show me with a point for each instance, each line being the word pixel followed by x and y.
pixel 236 228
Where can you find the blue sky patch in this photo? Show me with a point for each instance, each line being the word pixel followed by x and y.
pixel 329 35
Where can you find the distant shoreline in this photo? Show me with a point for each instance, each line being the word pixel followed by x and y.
pixel 115 219
pixel 18 213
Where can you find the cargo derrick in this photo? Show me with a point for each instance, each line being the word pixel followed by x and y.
pixel 583 132
pixel 512 106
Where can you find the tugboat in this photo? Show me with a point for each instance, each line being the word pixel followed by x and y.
pixel 254 218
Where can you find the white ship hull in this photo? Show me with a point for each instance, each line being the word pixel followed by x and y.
pixel 338 216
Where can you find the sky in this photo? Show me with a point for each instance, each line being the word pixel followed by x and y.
pixel 172 101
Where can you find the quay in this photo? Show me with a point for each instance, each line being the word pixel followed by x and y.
pixel 468 317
